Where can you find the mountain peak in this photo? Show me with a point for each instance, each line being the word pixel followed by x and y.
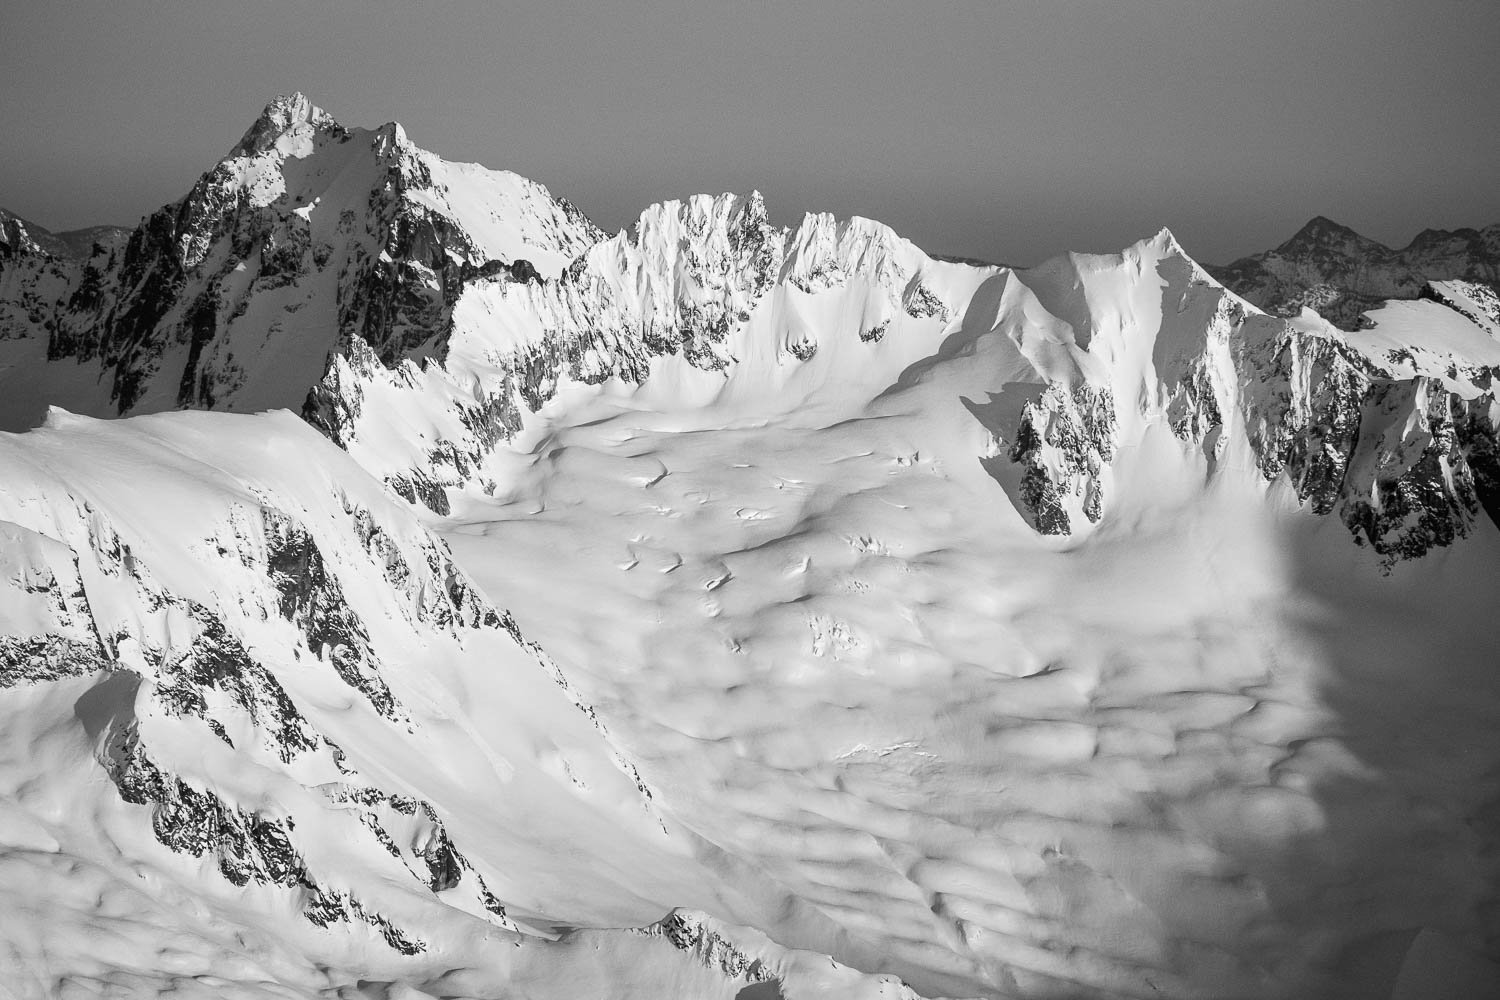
pixel 1321 231
pixel 284 113
pixel 18 235
pixel 1166 242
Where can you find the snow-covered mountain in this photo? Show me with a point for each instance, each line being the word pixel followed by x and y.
pixel 1394 428
pixel 417 311
pixel 699 289
pixel 307 238
pixel 723 606
pixel 1341 274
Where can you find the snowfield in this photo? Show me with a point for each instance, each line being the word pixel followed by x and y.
pixel 1204 751
pixel 727 610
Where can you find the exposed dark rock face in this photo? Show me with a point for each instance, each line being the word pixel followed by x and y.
pixel 33 659
pixel 1421 493
pixel 454 605
pixel 246 846
pixel 50 283
pixel 1064 440
pixel 311 598
pixel 1476 302
pixel 36 571
pixel 217 660
pixel 328 906
pixel 1306 394
pixel 425 848
pixel 192 821
pixel 18 235
pixel 1405 460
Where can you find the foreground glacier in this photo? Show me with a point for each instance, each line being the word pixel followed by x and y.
pixel 1077 631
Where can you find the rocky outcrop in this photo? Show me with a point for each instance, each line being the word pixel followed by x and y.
pixel 311 598
pixel 213 678
pixel 1063 442
pixel 695 934
pixel 751 964
pixel 47 280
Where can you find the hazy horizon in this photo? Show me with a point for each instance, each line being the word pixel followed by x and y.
pixel 1005 132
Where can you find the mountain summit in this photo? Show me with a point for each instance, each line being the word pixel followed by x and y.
pixel 282 115
pixel 305 238
pixel 1321 231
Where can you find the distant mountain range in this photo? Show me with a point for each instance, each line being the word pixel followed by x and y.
pixel 19 235
pixel 1343 275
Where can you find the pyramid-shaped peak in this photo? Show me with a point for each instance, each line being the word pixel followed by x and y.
pixel 283 114
pixel 1323 225
pixel 1321 231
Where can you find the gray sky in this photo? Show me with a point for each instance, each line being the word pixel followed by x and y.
pixel 1009 131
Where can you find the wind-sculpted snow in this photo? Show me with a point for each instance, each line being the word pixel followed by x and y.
pixel 1178 753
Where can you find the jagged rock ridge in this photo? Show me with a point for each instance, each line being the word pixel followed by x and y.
pixel 683 284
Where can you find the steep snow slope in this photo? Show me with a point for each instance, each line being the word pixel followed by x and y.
pixel 306 238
